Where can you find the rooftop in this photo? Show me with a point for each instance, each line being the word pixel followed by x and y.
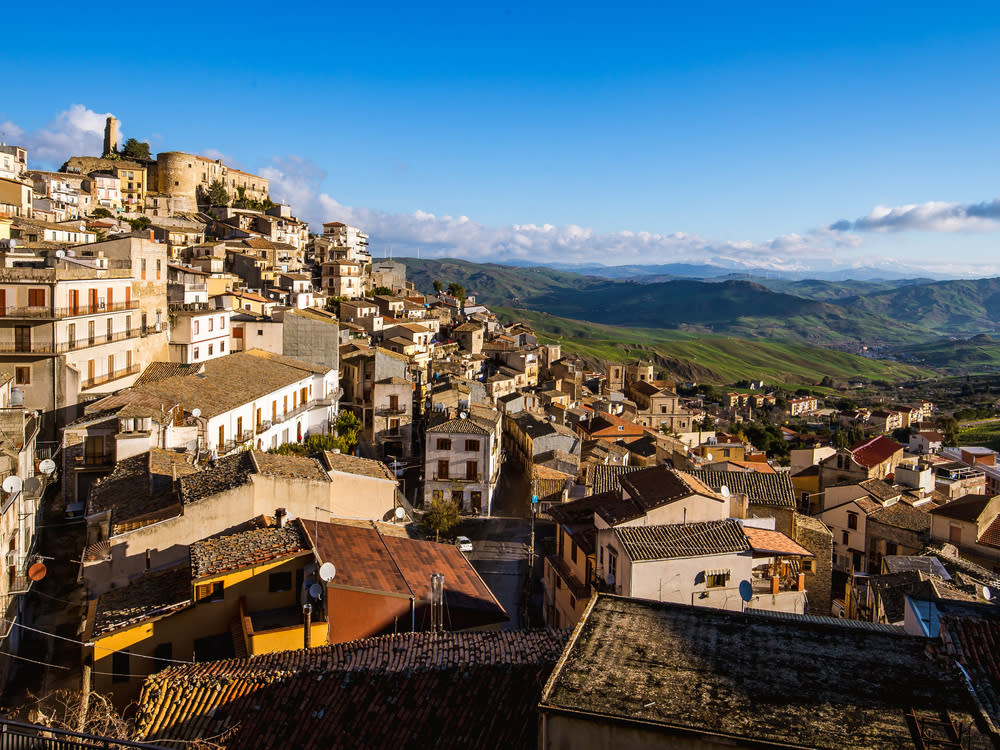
pixel 737 678
pixel 760 489
pixel 225 553
pixel 146 597
pixel 365 467
pixel 643 543
pixel 312 699
pixel 965 508
pixel 871 453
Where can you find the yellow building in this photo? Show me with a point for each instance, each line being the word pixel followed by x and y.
pixel 132 176
pixel 238 595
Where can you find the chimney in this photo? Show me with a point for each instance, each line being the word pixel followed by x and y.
pixel 279 517
pixel 437 602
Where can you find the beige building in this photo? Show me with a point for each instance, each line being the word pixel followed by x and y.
pixel 131 176
pixel 462 458
pixel 180 177
pixel 377 388
pixel 13 162
pixel 198 335
pixel 342 278
pixel 15 198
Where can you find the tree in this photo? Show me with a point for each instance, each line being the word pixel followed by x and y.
pixel 826 382
pixel 136 150
pixel 707 424
pixel 348 426
pixel 441 517
pixel 840 441
pixel 381 290
pixel 101 213
pixel 456 290
pixel 217 195
pixel 140 223
pixel 438 286
pixel 949 426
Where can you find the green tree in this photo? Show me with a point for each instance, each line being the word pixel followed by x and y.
pixel 136 150
pixel 840 441
pixel 438 286
pixel 348 426
pixel 381 290
pixel 140 223
pixel 101 213
pixel 826 382
pixel 267 203
pixel 441 517
pixel 217 195
pixel 707 423
pixel 949 426
pixel 456 290
pixel 241 198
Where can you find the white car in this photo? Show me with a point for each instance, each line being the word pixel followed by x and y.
pixel 463 543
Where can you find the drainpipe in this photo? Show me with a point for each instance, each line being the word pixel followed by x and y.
pixel 307 611
pixel 413 613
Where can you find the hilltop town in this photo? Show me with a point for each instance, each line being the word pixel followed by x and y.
pixel 260 490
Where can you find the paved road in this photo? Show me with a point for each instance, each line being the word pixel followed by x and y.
pixel 500 555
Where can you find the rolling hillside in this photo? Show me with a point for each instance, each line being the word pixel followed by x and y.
pixel 735 308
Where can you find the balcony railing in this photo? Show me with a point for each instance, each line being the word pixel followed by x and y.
pixel 264 426
pixel 17 736
pixel 390 410
pixel 95 461
pixel 67 312
pixel 102 379
pixel 61 347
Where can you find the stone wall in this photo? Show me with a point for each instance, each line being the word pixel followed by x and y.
pixel 813 534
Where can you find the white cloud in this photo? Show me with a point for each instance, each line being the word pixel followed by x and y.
pixel 296 181
pixel 935 216
pixel 78 131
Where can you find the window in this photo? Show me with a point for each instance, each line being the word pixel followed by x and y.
pixel 442 472
pixel 36 298
pixel 119 666
pixel 572 602
pixel 472 445
pixel 210 350
pixel 845 537
pixel 458 497
pixel 110 329
pixel 715 579
pixel 572 551
pixel 195 353
pixel 852 521
pixel 279 582
pixel 444 444
pixel 222 323
pixel 194 324
pixel 437 495
pixel 211 324
pixel 808 566
pixel 22 375
pixel 260 331
pixel 472 470
pixel 209 592
pixel 222 346
pixel 891 548
pixel 164 651
pixel 128 325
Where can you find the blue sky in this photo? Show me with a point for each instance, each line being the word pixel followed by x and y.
pixel 728 133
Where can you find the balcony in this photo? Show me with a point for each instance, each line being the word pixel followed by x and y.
pixel 66 312
pixel 389 411
pixel 95 461
pixel 264 426
pixel 109 377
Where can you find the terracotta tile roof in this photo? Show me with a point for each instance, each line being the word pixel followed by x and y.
pixel 221 554
pixel 760 489
pixel 871 453
pixel 369 560
pixel 227 382
pixel 965 508
pixel 150 595
pixel 136 491
pixel 290 361
pixel 682 540
pixel 163 370
pixel 658 485
pixel 903 516
pixel 680 669
pixel 991 534
pixel 312 699
pixel 458 425
pixel 769 540
pixel 365 467
pixel 226 473
pixel 975 643
pixel 577 517
pixel 291 467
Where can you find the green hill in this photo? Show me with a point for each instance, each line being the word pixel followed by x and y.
pixel 709 359
pixel 734 308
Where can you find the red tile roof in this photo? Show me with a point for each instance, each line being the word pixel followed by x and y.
pixel 870 453
pixel 991 536
pixel 768 540
pixel 412 690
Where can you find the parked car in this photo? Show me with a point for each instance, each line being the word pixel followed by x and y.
pixel 463 543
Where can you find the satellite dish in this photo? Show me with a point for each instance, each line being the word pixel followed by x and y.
pixel 315 591
pixel 12 484
pixel 400 514
pixel 32 485
pixel 725 492
pixel 746 591
pixel 47 467
pixel 37 571
pixel 987 594
pixel 708 456
pixel 196 413
pixel 60 253
pixel 327 571
pixel 462 415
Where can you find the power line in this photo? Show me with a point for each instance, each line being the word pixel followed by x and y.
pixel 35 661
pixel 94 645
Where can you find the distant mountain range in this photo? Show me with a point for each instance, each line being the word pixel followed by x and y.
pixel 903 311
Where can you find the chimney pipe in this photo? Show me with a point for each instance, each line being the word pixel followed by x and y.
pixel 279 517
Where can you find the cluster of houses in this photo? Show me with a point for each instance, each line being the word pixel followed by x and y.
pixel 238 590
